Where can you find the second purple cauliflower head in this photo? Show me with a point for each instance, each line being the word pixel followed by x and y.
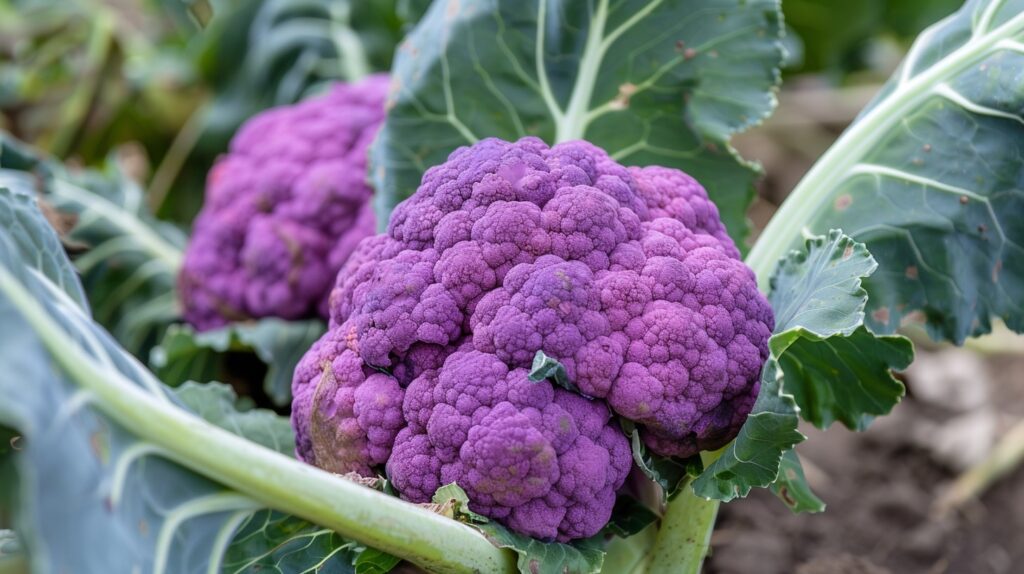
pixel 284 209
pixel 624 275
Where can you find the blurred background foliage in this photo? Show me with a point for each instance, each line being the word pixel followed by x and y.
pixel 846 40
pixel 159 86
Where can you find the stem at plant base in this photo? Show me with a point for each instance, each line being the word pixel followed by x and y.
pixel 685 535
pixel 630 555
pixel 276 481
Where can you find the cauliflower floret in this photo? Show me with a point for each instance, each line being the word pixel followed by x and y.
pixel 526 453
pixel 284 209
pixel 624 275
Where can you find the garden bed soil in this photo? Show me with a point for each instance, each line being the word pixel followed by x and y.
pixel 880 488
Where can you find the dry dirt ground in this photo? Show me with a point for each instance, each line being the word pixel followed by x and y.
pixel 881 487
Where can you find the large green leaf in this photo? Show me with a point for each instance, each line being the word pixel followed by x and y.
pixel 185 355
pixel 30 235
pixel 116 475
pixel 823 364
pixel 129 260
pixel 930 178
pixel 77 465
pixel 663 82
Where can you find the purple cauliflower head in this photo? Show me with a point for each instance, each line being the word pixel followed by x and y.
pixel 284 209
pixel 624 275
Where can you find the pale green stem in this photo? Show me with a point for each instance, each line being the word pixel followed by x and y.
pixel 572 124
pixel 277 481
pixel 685 535
pixel 630 555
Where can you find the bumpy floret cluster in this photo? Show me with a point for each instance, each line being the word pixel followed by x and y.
pixel 625 275
pixel 284 209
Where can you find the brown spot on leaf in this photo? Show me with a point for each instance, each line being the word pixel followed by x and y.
pixel 690 54
pixel 847 252
pixel 63 222
pixel 143 527
pixel 963 200
pixel 680 45
pixel 843 201
pixel 982 228
pixel 881 315
pixel 621 101
pixel 916 317
pixel 453 10
pixel 99 445
pixel 912 272
pixel 786 497
pixel 996 269
pixel 927 148
pixel 917 162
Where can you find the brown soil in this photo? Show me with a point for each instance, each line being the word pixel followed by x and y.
pixel 880 488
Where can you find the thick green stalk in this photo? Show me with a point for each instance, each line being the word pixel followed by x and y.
pixel 685 535
pixel 277 481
